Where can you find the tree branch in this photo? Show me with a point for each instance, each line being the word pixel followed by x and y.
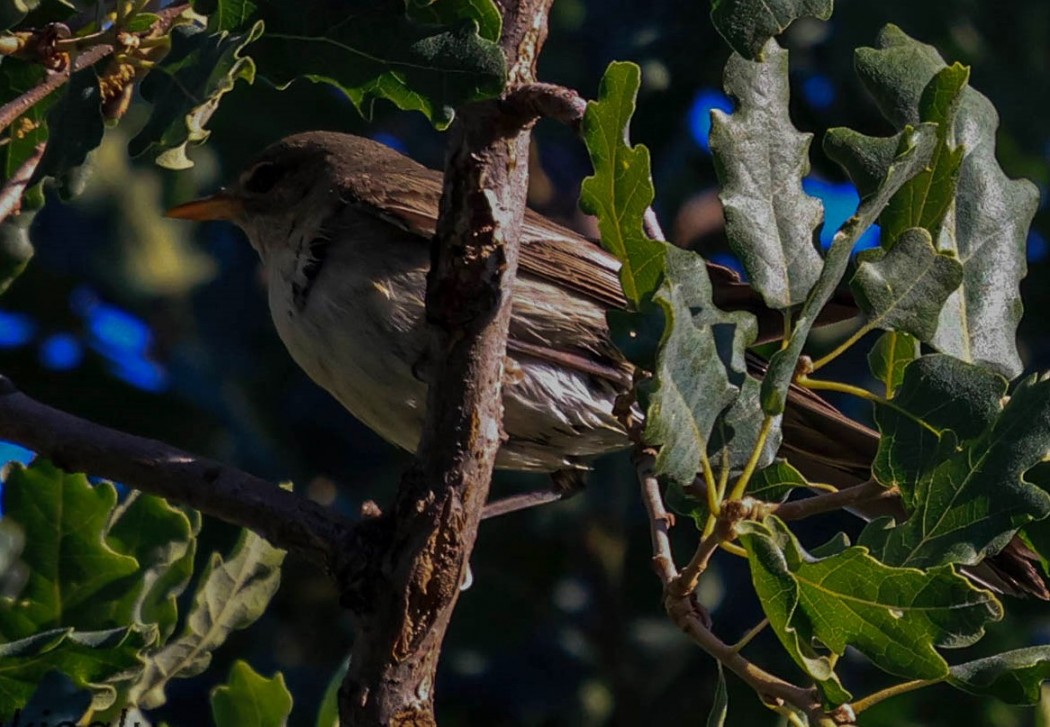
pixel 830 501
pixel 403 600
pixel 545 100
pixel 285 519
pixel 687 615
pixel 11 193
pixel 89 57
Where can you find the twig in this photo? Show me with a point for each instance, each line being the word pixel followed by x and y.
pixel 525 500
pixel 872 699
pixel 545 100
pixel 732 513
pixel 11 193
pixel 685 614
pixel 56 79
pixel 830 501
pixel 285 519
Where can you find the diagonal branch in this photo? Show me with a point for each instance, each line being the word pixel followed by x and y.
pixel 89 57
pixel 285 519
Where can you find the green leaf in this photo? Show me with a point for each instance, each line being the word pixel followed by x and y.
pixel 905 288
pixel 70 562
pixel 926 198
pixel 250 699
pixel 720 707
pixel 88 658
pixel 913 153
pixel 15 249
pixel 987 227
pixel 328 713
pixel 162 538
pixel 866 159
pixel 772 224
pixel 1014 677
pixel 229 15
pixel 75 127
pixel 889 357
pixel 894 616
pixel 621 189
pixel 231 595
pixel 691 385
pixel 942 403
pixel 971 493
pixel 186 88
pixel 444 12
pixel 375 50
pixel 746 25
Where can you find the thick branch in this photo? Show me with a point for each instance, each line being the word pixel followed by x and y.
pixel 285 519
pixel 89 57
pixel 403 603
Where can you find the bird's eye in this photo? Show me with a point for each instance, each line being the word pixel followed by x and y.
pixel 263 177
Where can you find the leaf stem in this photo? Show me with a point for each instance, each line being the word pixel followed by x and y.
pixel 842 388
pixel 750 635
pixel 733 549
pixel 788 324
pixel 713 496
pixel 843 347
pixel 872 699
pixel 752 463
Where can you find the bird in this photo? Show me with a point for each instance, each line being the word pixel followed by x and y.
pixel 342 225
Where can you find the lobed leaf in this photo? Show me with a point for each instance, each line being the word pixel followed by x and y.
pixel 926 198
pixel 186 88
pixel 747 25
pixel 772 224
pixel 621 188
pixel 249 698
pixel 375 50
pixel 912 155
pixel 89 658
pixel 894 616
pixel 970 490
pixel 904 288
pixel 1014 677
pixel 987 226
pixel 69 559
pixel 231 595
pixel 889 357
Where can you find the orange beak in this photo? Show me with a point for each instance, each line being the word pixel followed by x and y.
pixel 219 206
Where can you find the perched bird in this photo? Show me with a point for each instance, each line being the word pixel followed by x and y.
pixel 342 225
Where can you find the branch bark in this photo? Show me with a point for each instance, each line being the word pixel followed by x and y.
pixel 688 616
pixel 56 79
pixel 285 519
pixel 404 597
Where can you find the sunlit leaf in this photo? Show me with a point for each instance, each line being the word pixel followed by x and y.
pixel 248 698
pixel 232 594
pixel 747 24
pixel 772 225
pixel 904 289
pixel 621 188
pixel 894 616
pixel 889 357
pixel 186 88
pixel 988 225
pixel 971 493
pixel 913 153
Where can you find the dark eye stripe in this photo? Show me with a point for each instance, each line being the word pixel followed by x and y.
pixel 263 177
